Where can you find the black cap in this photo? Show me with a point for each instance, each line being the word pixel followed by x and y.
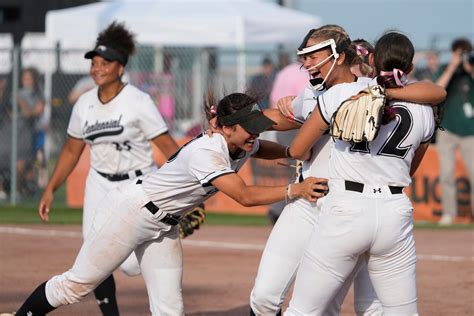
pixel 107 53
pixel 251 118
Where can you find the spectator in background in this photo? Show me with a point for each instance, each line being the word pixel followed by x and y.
pixel 5 131
pixel 430 68
pixel 82 85
pixel 361 66
pixel 166 99
pixel 261 84
pixel 457 78
pixel 283 60
pixel 32 130
pixel 289 81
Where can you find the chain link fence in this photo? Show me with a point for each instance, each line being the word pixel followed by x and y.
pixel 176 78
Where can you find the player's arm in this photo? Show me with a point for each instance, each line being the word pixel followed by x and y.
pixel 425 92
pixel 24 108
pixel 447 75
pixel 68 159
pixel 419 154
pixel 234 186
pixel 271 150
pixel 308 134
pixel 166 144
pixel 281 122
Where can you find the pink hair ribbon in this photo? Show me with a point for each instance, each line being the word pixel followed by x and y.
pixel 213 109
pixel 399 76
pixel 361 50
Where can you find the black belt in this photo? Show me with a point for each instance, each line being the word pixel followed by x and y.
pixel 169 219
pixel 119 177
pixel 359 187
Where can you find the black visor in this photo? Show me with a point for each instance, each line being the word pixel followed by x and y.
pixel 107 53
pixel 250 118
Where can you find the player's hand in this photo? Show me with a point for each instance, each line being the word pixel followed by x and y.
pixel 456 58
pixel 45 205
pixel 311 189
pixel 285 107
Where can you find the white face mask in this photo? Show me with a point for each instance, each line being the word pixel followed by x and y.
pixel 318 83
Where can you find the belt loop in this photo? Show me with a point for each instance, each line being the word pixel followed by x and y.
pixel 169 219
pixel 354 186
pixel 152 207
pixel 395 190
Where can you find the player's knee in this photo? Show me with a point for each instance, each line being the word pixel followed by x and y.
pixel 263 303
pixel 61 290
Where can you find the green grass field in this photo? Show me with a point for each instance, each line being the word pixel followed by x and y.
pixel 63 215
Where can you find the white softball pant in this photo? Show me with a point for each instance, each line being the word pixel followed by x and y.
pixel 374 223
pixel 96 188
pixel 122 225
pixel 282 255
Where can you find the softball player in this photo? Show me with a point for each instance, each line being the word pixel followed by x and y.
pixel 366 215
pixel 118 122
pixel 293 229
pixel 142 216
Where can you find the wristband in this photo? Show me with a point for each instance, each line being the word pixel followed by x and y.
pixel 287 152
pixel 288 195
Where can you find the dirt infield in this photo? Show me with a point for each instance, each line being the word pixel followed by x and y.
pixel 220 266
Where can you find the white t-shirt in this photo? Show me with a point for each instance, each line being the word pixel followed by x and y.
pixel 119 131
pixel 387 159
pixel 303 105
pixel 184 181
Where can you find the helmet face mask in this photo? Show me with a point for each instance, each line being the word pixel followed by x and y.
pixel 310 49
pixel 319 83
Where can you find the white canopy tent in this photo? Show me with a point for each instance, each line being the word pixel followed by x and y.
pixel 220 23
pixel 235 24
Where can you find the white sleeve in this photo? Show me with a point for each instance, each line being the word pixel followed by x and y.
pixel 429 122
pixel 324 108
pixel 210 165
pixel 297 105
pixel 150 120
pixel 74 128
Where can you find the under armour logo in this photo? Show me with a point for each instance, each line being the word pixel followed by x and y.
pixel 104 301
pixel 102 48
pixel 379 190
pixel 30 313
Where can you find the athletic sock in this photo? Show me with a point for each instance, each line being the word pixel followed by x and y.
pixel 36 304
pixel 105 296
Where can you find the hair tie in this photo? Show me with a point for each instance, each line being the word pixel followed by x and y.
pixel 213 109
pixel 399 76
pixel 361 50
